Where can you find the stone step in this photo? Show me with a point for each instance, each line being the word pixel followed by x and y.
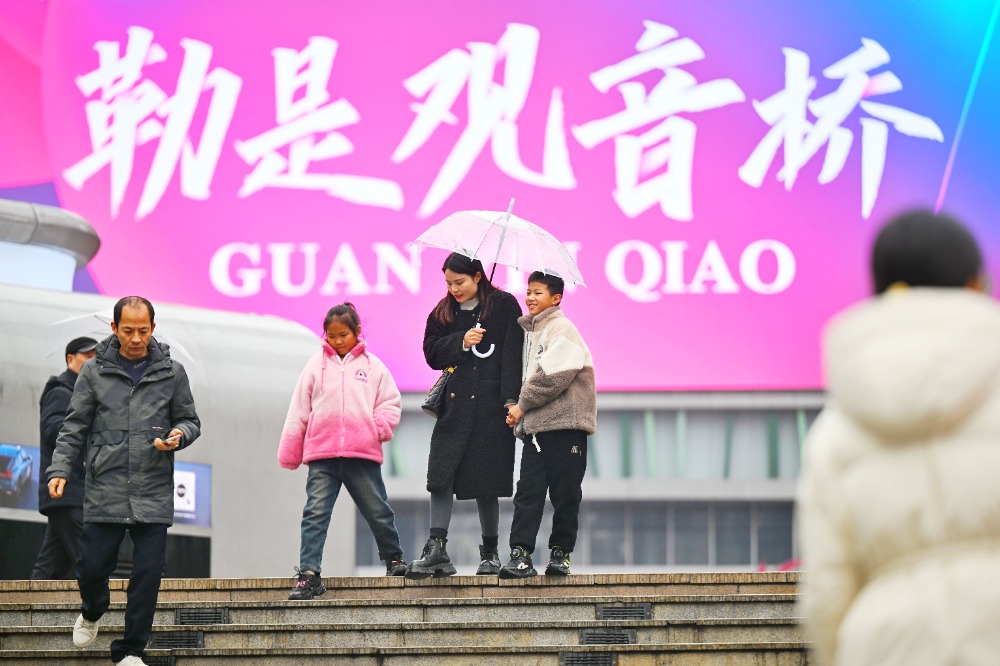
pixel 682 654
pixel 427 634
pixel 357 611
pixel 368 587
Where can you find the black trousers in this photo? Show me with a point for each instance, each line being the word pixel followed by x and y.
pixel 60 545
pixel 98 557
pixel 557 469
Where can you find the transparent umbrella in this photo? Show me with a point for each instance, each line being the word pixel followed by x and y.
pixel 97 325
pixel 502 238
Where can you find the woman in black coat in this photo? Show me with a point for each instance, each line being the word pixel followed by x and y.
pixel 473 329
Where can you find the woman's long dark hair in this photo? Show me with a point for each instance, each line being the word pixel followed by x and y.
pixel 444 311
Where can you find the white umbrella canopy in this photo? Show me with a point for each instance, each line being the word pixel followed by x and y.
pixel 97 325
pixel 503 238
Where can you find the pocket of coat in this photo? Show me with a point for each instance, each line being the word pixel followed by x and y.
pixel 103 443
pixel 309 424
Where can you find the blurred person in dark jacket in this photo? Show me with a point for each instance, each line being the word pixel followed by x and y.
pixel 61 544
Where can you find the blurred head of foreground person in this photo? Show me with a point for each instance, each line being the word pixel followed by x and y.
pixel 898 503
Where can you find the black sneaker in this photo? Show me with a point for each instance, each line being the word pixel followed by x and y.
pixel 519 566
pixel 395 566
pixel 307 586
pixel 489 561
pixel 558 563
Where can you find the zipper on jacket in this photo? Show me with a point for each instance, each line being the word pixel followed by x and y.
pixel 343 397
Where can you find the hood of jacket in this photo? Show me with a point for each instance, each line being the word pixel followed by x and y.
pixel 67 379
pixel 109 348
pixel 914 361
pixel 356 351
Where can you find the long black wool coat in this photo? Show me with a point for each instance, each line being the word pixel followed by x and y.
pixel 471 445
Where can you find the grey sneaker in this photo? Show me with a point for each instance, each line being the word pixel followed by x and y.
pixel 131 660
pixel 489 561
pixel 519 566
pixel 395 566
pixel 558 563
pixel 84 632
pixel 307 586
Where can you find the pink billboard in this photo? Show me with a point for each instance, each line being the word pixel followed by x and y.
pixel 718 170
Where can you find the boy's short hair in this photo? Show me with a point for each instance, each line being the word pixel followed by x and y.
pixel 554 283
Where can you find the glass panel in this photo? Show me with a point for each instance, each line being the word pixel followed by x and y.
pixel 649 533
pixel 749 445
pixel 607 534
pixel 691 534
pixel 774 533
pixel 706 444
pixel 732 534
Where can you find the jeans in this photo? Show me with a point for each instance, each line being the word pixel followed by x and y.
pixel 363 480
pixel 98 557
pixel 558 468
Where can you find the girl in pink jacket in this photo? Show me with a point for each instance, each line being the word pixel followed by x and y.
pixel 345 406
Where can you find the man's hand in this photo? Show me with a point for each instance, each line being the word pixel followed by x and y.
pixel 514 414
pixel 172 441
pixel 56 487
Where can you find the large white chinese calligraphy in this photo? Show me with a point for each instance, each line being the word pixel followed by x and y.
pixel 308 129
pixel 493 113
pixel 132 111
pixel 787 112
pixel 671 141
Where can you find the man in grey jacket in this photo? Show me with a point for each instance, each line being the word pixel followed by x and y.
pixel 131 409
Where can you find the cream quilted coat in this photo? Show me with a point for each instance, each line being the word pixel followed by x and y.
pixel 899 501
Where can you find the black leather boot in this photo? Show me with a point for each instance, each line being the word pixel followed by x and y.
pixel 434 561
pixel 489 564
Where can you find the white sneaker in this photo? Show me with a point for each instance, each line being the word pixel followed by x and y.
pixel 131 660
pixel 84 632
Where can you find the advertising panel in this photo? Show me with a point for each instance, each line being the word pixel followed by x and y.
pixel 717 168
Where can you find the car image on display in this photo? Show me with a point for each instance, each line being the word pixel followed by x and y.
pixel 15 470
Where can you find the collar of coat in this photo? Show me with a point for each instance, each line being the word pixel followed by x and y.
pixel 532 322
pixel 108 349
pixel 356 351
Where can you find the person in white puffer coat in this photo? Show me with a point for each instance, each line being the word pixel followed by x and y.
pixel 899 499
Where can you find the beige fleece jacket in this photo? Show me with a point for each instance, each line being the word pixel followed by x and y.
pixel 558 392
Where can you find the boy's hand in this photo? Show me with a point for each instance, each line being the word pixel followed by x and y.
pixel 514 414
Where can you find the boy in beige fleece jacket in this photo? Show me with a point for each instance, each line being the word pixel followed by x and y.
pixel 556 411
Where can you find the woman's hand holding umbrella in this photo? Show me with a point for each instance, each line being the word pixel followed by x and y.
pixel 473 337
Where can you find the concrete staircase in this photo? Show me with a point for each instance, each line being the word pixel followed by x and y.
pixel 582 620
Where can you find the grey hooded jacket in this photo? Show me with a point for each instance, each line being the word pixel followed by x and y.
pixel 128 480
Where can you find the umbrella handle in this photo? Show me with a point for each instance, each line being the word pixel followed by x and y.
pixel 481 354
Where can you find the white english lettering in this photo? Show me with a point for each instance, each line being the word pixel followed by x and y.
pixel 388 259
pixel 247 280
pixel 281 268
pixel 345 269
pixel 713 268
pixel 643 290
pixel 750 267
